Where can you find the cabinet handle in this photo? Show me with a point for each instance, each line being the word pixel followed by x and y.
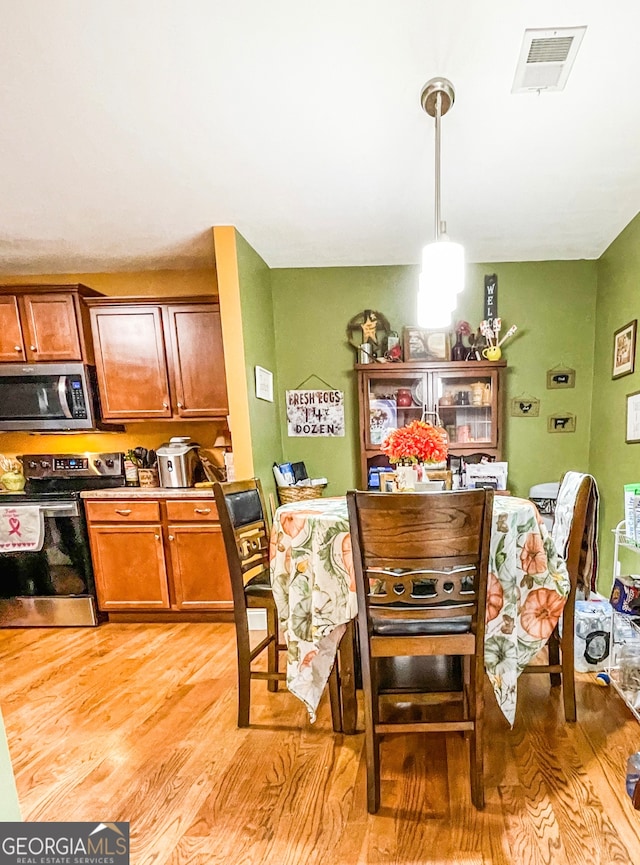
pixel 180 405
pixel 171 538
pixel 202 510
pixel 17 348
pixel 157 537
pixel 33 348
pixel 165 405
pixel 124 512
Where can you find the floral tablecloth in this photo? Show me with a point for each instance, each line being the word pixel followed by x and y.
pixel 314 590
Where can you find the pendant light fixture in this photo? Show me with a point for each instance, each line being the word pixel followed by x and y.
pixel 442 275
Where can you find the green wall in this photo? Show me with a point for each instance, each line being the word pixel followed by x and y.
pixel 613 462
pixel 553 304
pixel 259 349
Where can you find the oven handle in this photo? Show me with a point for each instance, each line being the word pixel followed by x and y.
pixel 63 396
pixel 64 509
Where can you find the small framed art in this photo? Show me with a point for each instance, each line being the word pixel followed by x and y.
pixel 633 417
pixel 425 345
pixel 624 349
pixel 264 384
pixel 561 377
pixel 561 423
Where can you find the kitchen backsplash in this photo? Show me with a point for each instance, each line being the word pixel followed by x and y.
pixel 147 435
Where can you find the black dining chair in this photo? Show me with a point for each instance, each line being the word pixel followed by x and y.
pixel 421 564
pixel 245 531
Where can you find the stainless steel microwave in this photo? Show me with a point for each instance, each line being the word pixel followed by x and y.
pixel 48 396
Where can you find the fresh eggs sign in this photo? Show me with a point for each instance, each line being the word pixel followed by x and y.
pixel 315 412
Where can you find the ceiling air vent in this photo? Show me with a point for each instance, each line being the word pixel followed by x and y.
pixel 546 58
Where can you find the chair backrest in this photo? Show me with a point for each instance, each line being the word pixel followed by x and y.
pixel 426 552
pixel 245 532
pixel 574 528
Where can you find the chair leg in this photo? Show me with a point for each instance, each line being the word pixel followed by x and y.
pixel 349 702
pixel 553 647
pixel 244 673
pixel 272 648
pixel 476 737
pixel 334 697
pixel 568 678
pixel 371 738
pixel 372 743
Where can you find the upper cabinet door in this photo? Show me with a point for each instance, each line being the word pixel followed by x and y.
pixel 130 362
pixel 51 327
pixel 11 343
pixel 198 360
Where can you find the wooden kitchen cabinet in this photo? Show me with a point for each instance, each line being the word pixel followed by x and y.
pixel 159 359
pixel 199 567
pixel 154 555
pixel 196 349
pixel 11 340
pixel 129 567
pixel 45 323
pixel 131 365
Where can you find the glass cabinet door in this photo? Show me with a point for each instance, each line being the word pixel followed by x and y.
pixel 467 403
pixel 392 400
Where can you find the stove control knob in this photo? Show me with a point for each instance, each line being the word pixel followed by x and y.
pixel 33 464
pixel 45 464
pixel 109 464
pixel 97 463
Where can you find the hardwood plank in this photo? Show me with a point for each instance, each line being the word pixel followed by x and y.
pixel 137 722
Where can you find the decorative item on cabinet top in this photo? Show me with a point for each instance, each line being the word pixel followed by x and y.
pixel 159 358
pixel 425 345
pixel 368 327
pixel 491 332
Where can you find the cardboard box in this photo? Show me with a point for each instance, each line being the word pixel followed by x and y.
pixel 625 592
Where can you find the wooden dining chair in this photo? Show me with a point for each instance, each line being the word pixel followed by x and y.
pixel 245 530
pixel 420 563
pixel 575 504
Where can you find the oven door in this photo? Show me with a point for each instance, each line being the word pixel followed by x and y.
pixel 53 586
pixel 45 397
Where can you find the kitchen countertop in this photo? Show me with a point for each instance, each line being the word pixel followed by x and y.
pixel 148 493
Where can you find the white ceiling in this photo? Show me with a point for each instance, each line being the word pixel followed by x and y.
pixel 129 127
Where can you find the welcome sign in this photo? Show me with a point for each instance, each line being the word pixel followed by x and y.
pixel 315 413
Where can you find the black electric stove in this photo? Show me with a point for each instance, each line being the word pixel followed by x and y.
pixel 54 586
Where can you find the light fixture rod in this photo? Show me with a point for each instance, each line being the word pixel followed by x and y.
pixel 437 186
pixel 436 99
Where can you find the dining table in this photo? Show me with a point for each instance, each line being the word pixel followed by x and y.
pixel 313 583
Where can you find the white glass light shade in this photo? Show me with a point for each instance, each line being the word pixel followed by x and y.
pixel 434 310
pixel 443 267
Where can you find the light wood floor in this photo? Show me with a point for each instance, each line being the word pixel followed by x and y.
pixel 137 723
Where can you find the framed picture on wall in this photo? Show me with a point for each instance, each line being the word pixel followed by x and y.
pixel 633 417
pixel 624 349
pixel 421 345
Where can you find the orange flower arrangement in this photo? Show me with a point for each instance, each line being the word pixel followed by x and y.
pixel 418 442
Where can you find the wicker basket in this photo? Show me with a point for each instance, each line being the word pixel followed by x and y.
pixel 287 495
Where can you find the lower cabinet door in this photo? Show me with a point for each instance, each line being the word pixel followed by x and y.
pixel 129 567
pixel 199 566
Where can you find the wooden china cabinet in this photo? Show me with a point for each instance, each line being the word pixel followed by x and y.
pixel 159 359
pixel 467 396
pixel 45 323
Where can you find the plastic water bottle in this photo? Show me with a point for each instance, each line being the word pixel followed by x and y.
pixel 633 772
